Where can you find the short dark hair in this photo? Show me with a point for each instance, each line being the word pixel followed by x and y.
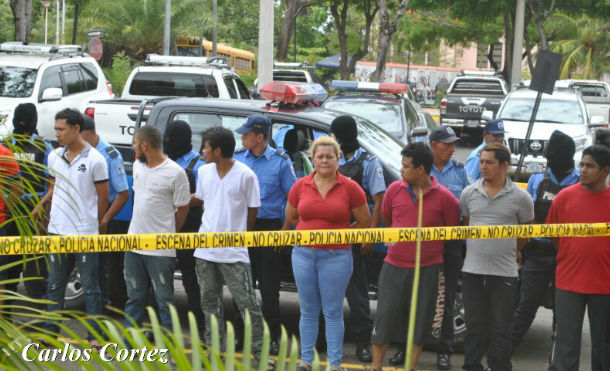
pixel 219 137
pixel 149 134
pixel 501 153
pixel 259 131
pixel 599 153
pixel 420 154
pixel 72 117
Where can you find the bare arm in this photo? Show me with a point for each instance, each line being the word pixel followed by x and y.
pixel 252 211
pixel 362 216
pixel 195 201
pixel 466 221
pixel 102 191
pixel 115 207
pixel 292 217
pixel 367 248
pixel 555 241
pixel 180 216
pixel 39 209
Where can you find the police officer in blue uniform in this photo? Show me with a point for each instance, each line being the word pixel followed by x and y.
pixel 30 150
pixel 111 263
pixel 451 174
pixel 493 133
pixel 538 254
pixel 366 170
pixel 177 144
pixel 276 176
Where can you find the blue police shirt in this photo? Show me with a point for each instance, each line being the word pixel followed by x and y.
pixel 275 177
pixel 372 176
pixel 186 159
pixel 473 164
pixel 536 179
pixel 116 168
pixel 453 177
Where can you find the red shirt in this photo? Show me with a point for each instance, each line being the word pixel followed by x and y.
pixel 332 212
pixel 583 263
pixel 8 169
pixel 440 209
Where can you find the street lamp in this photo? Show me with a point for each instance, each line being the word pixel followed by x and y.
pixel 46 4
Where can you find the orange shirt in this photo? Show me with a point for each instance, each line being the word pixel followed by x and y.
pixel 8 170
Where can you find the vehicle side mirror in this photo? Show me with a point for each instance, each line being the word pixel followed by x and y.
pixel 419 132
pixel 51 94
pixel 487 115
pixel 597 121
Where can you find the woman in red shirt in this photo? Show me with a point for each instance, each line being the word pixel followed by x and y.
pixel 325 199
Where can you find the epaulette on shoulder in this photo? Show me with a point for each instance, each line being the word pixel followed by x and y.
pixel 111 151
pixel 282 153
pixel 456 163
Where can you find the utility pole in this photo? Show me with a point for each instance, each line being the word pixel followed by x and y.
pixel 515 75
pixel 56 21
pixel 265 42
pixel 46 4
pixel 167 26
pixel 63 21
pixel 215 30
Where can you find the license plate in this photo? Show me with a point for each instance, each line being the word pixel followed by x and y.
pixel 472 123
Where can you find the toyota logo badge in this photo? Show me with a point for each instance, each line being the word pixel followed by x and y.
pixel 536 146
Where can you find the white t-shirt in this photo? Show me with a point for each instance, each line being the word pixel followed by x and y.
pixel 158 192
pixel 74 200
pixel 225 204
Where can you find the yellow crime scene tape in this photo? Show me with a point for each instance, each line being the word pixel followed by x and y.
pixel 167 241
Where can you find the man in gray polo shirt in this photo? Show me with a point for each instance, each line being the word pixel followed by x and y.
pixel 489 277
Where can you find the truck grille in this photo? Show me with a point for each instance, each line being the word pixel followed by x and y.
pixel 535 148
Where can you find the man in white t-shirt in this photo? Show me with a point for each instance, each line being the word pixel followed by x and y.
pixel 78 192
pixel 230 193
pixel 161 202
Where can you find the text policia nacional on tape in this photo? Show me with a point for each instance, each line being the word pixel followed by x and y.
pixel 108 243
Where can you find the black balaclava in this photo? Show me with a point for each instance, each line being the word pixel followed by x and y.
pixel 344 129
pixel 177 139
pixel 25 118
pixel 560 153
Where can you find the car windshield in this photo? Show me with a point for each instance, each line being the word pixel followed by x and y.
pixel 550 110
pixel 381 144
pixel 16 82
pixel 385 115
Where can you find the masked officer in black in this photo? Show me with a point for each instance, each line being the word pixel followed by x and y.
pixel 364 169
pixel 31 152
pixel 538 255
pixel 177 144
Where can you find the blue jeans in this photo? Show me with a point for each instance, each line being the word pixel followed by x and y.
pixel 61 265
pixel 138 268
pixel 321 277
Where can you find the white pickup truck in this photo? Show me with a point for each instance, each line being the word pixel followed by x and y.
pixel 596 95
pixel 163 76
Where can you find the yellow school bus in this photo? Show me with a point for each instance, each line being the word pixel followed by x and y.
pixel 240 60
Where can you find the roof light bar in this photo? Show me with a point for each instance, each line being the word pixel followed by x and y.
pixel 172 60
pixel 479 73
pixel 351 86
pixel 296 93
pixel 17 46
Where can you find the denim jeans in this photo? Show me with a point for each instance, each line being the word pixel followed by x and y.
pixel 138 268
pixel 238 278
pixel 322 277
pixel 61 265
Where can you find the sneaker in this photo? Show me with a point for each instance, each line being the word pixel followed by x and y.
pixel 443 362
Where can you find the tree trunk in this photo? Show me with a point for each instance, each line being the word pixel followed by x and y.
pixel 22 19
pixel 340 16
pixel 490 57
pixel 286 30
pixel 387 29
pixel 540 15
pixel 75 28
